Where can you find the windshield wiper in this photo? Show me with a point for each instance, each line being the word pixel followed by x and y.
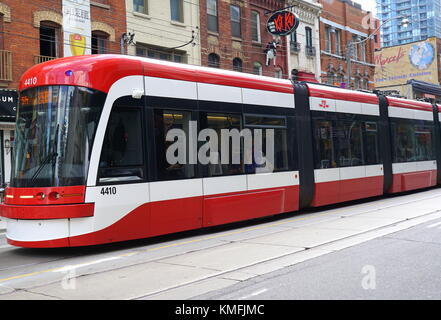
pixel 51 157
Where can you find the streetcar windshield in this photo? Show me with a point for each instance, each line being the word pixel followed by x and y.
pixel 55 130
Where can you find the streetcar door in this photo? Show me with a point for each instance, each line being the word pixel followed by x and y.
pixel 122 192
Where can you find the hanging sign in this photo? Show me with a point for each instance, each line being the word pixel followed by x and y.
pixel 282 23
pixel 76 27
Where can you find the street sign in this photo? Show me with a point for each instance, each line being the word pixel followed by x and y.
pixel 282 23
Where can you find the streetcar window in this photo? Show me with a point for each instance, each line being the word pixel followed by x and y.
pixel 268 125
pixel 371 144
pixel 227 128
pixel 412 140
pixel 121 155
pixel 349 143
pixel 172 141
pixel 324 144
pixel 423 142
pixel 345 140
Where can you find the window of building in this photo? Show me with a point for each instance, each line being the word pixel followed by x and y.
pixel 337 35
pixel 177 10
pixel 99 42
pixel 213 60
pixel 49 40
pixel 255 26
pixel 340 78
pixel 122 152
pixel 172 147
pixel 363 51
pixel 278 73
pixel 257 68
pixel 365 84
pixel 355 47
pixel 328 44
pixel 161 53
pixel 235 21
pixel 293 37
pixel 308 32
pixel 237 64
pixel 212 22
pixel 1 32
pixel 330 78
pixel 140 6
pixel 356 83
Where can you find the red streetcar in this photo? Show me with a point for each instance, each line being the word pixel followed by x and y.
pixel 90 165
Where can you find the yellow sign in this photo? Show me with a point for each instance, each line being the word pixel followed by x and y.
pixel 417 60
pixel 77 44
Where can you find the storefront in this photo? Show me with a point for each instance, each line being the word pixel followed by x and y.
pixel 8 108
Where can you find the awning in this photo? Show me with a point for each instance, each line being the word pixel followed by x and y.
pixel 8 104
pixel 425 87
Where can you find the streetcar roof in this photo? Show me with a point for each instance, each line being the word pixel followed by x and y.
pixel 101 71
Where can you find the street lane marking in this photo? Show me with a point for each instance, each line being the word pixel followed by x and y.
pixel 434 225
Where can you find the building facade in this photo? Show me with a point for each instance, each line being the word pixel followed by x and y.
pixel 35 31
pixel 343 25
pixel 164 29
pixel 234 37
pixel 424 17
pixel 304 43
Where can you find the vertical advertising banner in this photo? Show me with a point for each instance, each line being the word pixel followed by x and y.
pixel 77 27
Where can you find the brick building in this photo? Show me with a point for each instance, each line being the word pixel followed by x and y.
pixel 32 32
pixel 343 22
pixel 234 36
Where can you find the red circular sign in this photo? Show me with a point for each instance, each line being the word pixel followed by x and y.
pixel 282 23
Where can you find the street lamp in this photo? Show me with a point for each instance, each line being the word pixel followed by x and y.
pixel 351 44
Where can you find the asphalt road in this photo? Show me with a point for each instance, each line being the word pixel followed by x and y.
pixel 401 265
